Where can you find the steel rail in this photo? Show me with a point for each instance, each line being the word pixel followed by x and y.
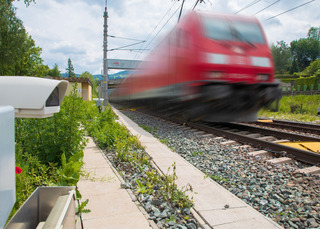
pixel 313 128
pixel 298 154
pixel 276 133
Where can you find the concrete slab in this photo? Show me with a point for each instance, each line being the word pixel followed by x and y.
pixel 111 206
pixel 309 170
pixel 267 138
pixel 260 153
pixel 207 135
pixel 237 218
pixel 242 147
pixel 280 160
pixel 228 143
pixel 209 197
pixel 254 135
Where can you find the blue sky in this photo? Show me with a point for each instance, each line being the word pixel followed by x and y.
pixel 74 29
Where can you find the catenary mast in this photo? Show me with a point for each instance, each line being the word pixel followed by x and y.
pixel 105 65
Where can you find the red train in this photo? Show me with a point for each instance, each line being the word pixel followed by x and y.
pixel 212 67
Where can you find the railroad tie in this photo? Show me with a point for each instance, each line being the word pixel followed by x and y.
pixel 280 160
pixel 260 153
pixel 309 170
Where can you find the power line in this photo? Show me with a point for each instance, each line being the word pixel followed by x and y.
pixel 148 37
pixel 123 38
pixel 267 7
pixel 247 6
pixel 198 1
pixel 181 10
pixel 162 27
pixel 195 4
pixel 290 10
pixel 126 46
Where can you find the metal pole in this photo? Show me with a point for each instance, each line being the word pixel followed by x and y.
pixel 181 10
pixel 105 65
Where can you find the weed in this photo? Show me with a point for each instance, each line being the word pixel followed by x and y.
pixel 220 179
pixel 196 153
pixel 146 128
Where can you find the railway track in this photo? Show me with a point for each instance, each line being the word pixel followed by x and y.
pixel 261 138
pixel 274 190
pixel 295 126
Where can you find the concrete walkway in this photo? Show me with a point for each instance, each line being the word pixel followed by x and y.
pixel 111 206
pixel 215 205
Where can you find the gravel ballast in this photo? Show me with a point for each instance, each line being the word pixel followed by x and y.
pixel 291 199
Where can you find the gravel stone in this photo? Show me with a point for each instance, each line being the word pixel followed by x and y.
pixel 291 199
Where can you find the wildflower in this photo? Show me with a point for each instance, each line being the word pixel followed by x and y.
pixel 18 170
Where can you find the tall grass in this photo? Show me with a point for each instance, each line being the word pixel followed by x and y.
pixel 297 108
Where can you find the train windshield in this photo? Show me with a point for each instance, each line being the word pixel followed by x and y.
pixel 224 29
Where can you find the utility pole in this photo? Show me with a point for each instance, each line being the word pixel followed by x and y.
pixel 105 64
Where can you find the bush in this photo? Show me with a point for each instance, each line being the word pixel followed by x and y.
pixel 286 76
pixel 50 150
pixel 312 80
pixel 287 80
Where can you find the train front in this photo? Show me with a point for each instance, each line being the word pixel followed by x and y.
pixel 236 67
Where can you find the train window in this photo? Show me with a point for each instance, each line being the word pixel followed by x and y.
pixel 223 29
pixel 217 29
pixel 249 31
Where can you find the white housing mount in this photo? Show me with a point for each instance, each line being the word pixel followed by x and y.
pixel 32 97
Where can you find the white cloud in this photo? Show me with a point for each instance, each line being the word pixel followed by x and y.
pixel 74 29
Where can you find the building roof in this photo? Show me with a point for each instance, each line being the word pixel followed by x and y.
pixel 72 79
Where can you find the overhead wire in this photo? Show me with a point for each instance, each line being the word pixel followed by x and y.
pixel 149 35
pixel 197 2
pixel 162 27
pixel 266 7
pixel 126 46
pixel 181 10
pixel 123 38
pixel 289 10
pixel 247 6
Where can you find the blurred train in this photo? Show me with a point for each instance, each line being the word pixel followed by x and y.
pixel 211 67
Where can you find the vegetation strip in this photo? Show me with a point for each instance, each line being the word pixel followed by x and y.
pixel 50 151
pixel 167 205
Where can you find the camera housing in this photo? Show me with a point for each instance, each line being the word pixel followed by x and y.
pixel 32 97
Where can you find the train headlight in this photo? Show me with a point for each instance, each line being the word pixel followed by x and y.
pixel 214 58
pixel 214 75
pixel 260 61
pixel 262 77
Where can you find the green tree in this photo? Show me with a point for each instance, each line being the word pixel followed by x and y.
pixel 314 32
pixel 70 69
pixel 313 68
pixel 18 53
pixel 30 63
pixel 281 56
pixel 304 51
pixel 55 72
pixel 12 37
pixel 27 2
